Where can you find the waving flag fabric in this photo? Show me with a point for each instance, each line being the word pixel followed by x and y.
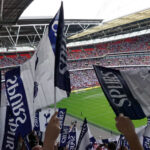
pixel 72 138
pixel 52 78
pixel 20 116
pixel 64 136
pixel 36 83
pixel 126 91
pixel 84 138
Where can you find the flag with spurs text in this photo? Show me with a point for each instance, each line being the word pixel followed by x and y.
pixel 52 78
pixel 127 91
pixel 35 84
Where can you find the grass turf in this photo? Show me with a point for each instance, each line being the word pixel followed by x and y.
pixel 93 105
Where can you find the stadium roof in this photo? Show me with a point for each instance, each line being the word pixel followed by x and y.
pixel 141 15
pixel 29 31
pixel 10 10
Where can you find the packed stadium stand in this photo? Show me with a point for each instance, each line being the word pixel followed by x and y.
pixel 128 52
pixel 125 52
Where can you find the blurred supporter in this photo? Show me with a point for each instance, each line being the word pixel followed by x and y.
pixel 111 146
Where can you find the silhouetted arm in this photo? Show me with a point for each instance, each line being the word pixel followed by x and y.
pixel 126 127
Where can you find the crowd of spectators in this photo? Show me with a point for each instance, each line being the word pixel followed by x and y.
pixel 83 79
pixel 114 53
pixel 82 59
pixel 140 43
pixel 12 60
pixel 82 76
pixel 110 61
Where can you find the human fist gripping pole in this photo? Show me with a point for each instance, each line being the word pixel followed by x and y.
pixel 126 127
pixel 52 132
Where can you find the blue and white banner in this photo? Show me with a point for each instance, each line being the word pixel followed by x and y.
pixel 43 116
pixel 72 138
pixel 126 91
pixel 18 101
pixel 3 112
pixel 146 138
pixel 37 122
pixel 51 74
pixel 11 132
pixel 84 138
pixel 62 77
pixel 32 85
pixel 19 122
pixel 64 136
pixel 146 143
pixel 27 144
pixel 61 115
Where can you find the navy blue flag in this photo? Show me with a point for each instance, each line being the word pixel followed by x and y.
pixel 84 138
pixel 11 133
pixel 64 136
pixel 72 138
pixel 127 91
pixel 26 142
pixel 146 143
pixel 61 115
pixel 62 77
pixel 51 76
pixel 146 136
pixel 17 100
pixel 37 122
pixel 148 120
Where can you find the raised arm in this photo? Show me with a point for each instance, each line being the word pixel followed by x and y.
pixel 126 127
pixel 52 132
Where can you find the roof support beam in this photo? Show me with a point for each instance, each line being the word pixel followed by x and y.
pixel 17 36
pixel 29 40
pixel 1 13
pixel 10 36
pixel 44 29
pixel 67 29
pixel 37 32
pixel 84 27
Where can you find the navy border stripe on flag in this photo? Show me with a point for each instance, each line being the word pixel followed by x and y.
pixel 18 101
pixel 72 138
pixel 62 76
pixel 11 133
pixel 118 93
pixel 84 130
pixel 61 115
pixel 64 136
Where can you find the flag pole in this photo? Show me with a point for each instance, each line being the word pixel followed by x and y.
pixel 54 99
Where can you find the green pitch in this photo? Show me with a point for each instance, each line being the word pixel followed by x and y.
pixel 93 105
